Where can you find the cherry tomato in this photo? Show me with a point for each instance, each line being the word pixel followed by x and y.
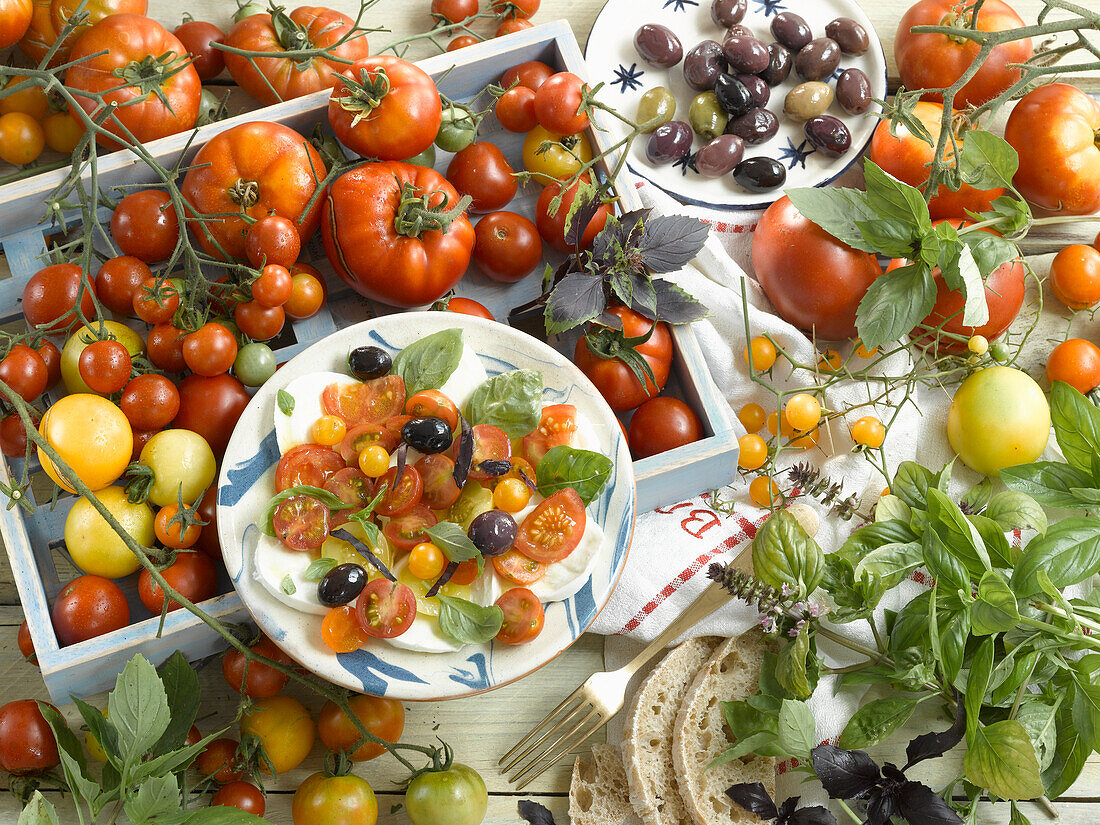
pixel 24 371
pixel 370 402
pixel 104 366
pixel 557 427
pixel 802 411
pixel 662 424
pixel 433 404
pixel 1077 363
pixel 50 298
pixel 558 103
pixel 609 371
pixel 87 607
pixel 193 575
pixel 323 799
pixel 30 101
pixel 461 42
pixel 490 444
pixel 21 139
pixel 523 616
pixel 174 535
pixel 13 436
pixel 507 246
pixel 531 74
pixel 481 171
pixel 98 461
pixel 385 609
pixel 456 796
pixel 517 568
pixel 554 528
pixel 463 306
pixel 208 537
pixel 764 492
pixel 259 322
pixel 272 240
pixel 385 718
pixel 516 8
pixel 261 680
pixel 328 430
pixel 62 132
pixel 210 406
pixel 351 486
pixel 552 227
pixel 307 293
pixel 51 357
pixel 301 523
pixel 165 347
pixel 426 561
pixel 219 761
pixel 454 11
pixel 27 744
pixel 1075 276
pixel 869 432
pixel 156 301
pixel 197 37
pixel 551 157
pixel 145 225
pixel 515 109
pixel 119 279
pixel 408 530
pixel 751 417
pixel 403 497
pixel 307 464
pixel 26 643
pixel 210 350
pixel 150 402
pixel 242 795
pixel 752 452
pixel 437 473
pixel 512 26
pixel 340 630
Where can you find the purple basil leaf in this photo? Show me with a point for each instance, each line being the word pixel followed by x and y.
pixel 577 298
pixel 670 241
pixel 535 813
pixel 643 295
pixel 754 798
pixel 527 480
pixel 494 466
pixel 920 805
pixel 845 774
pixel 881 805
pixel 464 456
pixel 933 745
pixel 675 305
pixel 402 456
pixel 365 551
pixel 814 815
pixel 444 577
pixel 586 211
pixel 786 809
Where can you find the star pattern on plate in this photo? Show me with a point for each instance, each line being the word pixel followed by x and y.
pixel 679 5
pixel 686 162
pixel 837 72
pixel 770 7
pixel 628 78
pixel 795 154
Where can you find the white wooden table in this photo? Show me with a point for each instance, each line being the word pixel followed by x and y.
pixel 482 728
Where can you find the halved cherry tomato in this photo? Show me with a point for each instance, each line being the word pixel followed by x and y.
pixel 370 402
pixel 523 616
pixel 465 573
pixel 557 427
pixel 407 531
pixel 310 464
pixel 352 487
pixel 385 609
pixel 517 568
pixel 301 523
pixel 490 444
pixel 341 631
pixel 437 473
pixel 433 404
pixel 402 498
pixel 554 528
pixel 367 435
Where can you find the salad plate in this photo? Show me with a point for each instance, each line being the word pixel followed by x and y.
pixel 613 60
pixel 247 485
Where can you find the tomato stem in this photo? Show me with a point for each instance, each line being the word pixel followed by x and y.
pixel 416 214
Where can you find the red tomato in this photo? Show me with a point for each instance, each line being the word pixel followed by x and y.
pixel 210 406
pixel 50 298
pixel 557 428
pixel 390 109
pixel 259 322
pixel 208 537
pixel 51 16
pixel 433 404
pixel 261 168
pixel 219 761
pixel 307 464
pixel 513 26
pixel 1054 129
pixel 515 109
pixel 385 609
pixel 150 401
pixel 531 74
pixel 15 19
pixel 461 42
pixel 517 568
pixel 104 366
pixel 1077 363
pixel 369 402
pixel 814 281
pixel 272 79
pixel 352 487
pixel 523 616
pixel 87 607
pixel 13 436
pixel 1075 276
pixel 119 280
pixel 26 643
pixel 606 368
pixel 482 172
pixel 934 61
pixel 156 301
pixel 516 8
pixel 164 346
pixel 554 528
pixel 406 531
pixel 270 241
pixel 241 795
pixel 51 357
pixel 210 350
pixel 385 718
pixel 403 497
pixel 27 743
pixel 135 40
pixel 662 424
pixel 261 681
pixel 197 37
pixel 24 371
pixel 905 156
pixel 437 473
pixel 273 287
pixel 193 575
pixel 558 102
pixel 463 306
pixel 552 227
pixel 174 535
pixel 507 246
pixel 490 444
pixel 364 226
pixel 145 225
pixel 362 436
pixel 454 11
pixel 301 523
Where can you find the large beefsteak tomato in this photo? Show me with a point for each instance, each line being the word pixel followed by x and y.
pixel 50 16
pixel 1056 131
pixel 272 79
pixel 391 232
pixel 142 68
pixel 814 280
pixel 258 169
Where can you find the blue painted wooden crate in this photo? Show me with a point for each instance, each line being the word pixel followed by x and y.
pixel 33 542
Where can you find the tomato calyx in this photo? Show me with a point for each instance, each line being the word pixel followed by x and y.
pixel 365 94
pixel 608 343
pixel 292 36
pixel 151 72
pixel 139 481
pixel 415 214
pixel 244 193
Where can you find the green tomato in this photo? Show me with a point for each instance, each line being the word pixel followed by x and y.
pixel 456 796
pixel 247 10
pixel 471 502
pixel 998 418
pixel 255 363
pixel 180 460
pixel 425 158
pixel 458 129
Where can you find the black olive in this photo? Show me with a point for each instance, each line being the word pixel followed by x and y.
pixel 493 532
pixel 429 435
pixel 369 362
pixel 341 584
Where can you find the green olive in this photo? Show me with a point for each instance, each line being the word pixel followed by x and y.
pixel 808 100
pixel 658 102
pixel 708 118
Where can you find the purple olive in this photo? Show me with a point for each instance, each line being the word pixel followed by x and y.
pixel 719 156
pixel 851 36
pixel 779 64
pixel 761 92
pixel 669 141
pixel 828 135
pixel 745 54
pixel 658 46
pixel 703 64
pixel 817 59
pixel 853 91
pixel 755 127
pixel 760 174
pixel 791 30
pixel 739 31
pixel 728 12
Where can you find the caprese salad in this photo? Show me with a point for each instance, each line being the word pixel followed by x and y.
pixel 422 502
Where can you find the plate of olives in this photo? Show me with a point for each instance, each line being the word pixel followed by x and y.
pixel 739 99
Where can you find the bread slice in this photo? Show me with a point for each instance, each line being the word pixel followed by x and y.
pixel 648 733
pixel 733 672
pixel 597 792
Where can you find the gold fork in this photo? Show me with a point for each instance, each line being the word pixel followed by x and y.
pixel 590 706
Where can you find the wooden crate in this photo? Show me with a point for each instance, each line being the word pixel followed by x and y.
pixel 34 543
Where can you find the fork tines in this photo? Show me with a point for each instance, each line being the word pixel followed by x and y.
pixel 563 729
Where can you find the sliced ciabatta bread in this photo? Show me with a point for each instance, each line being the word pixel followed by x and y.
pixel 733 672
pixel 597 792
pixel 648 734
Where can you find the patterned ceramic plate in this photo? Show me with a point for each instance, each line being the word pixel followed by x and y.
pixel 612 59
pixel 247 482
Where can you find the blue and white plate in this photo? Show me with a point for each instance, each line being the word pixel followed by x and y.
pixel 247 482
pixel 613 60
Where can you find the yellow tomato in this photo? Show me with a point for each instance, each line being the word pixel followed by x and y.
pixel 285 728
pixel 70 353
pixel 561 161
pixel 999 417
pixel 63 132
pixel 91 435
pixel 182 462
pixel 94 545
pixel 31 101
pixel 345 553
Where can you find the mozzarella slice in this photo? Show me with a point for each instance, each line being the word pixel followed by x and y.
pixel 467 377
pixel 274 563
pixel 297 428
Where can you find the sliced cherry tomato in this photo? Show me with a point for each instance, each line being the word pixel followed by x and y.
pixel 402 498
pixel 370 402
pixel 367 435
pixel 465 573
pixel 490 444
pixel 385 609
pixel 301 523
pixel 433 404
pixel 557 427
pixel 407 531
pixel 352 487
pixel 341 631
pixel 517 568
pixel 437 473
pixel 523 616
pixel 309 464
pixel 554 528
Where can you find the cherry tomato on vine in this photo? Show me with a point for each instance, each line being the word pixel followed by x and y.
pixel 752 452
pixel 802 411
pixel 145 225
pixel 219 761
pixel 1077 363
pixel 463 306
pixel 869 432
pixel 27 744
pixel 507 246
pixel 482 172
pixel 524 616
pixel 272 240
pixel 515 109
pixel 605 357
pixel 175 535
pixel 193 575
pixel 97 462
pixel 254 364
pixel 30 101
pixel 197 37
pixel 285 729
pixel 13 436
pixel 15 22
pixel 24 371
pixel 51 295
pixel 764 492
pixel 511 26
pixel 210 350
pixel 62 131
pixel 461 42
pixel 120 279
pixel 456 796
pixel 87 607
pixel 662 424
pixel 322 799
pixel 156 301
pixel 150 402
pixel 164 345
pixel 751 417
pixel 21 139
pixel 454 11
pixel 385 718
pixel 26 643
pixel 558 103
pixel 1075 276
pixel 242 795
pixel 552 227
pixel 259 322
pixel 105 366
pixel 307 293
pixel 561 159
pixel 516 8
pixel 262 680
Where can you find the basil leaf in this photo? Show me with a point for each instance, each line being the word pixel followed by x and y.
pixel 990 251
pixel 668 242
pixel 1069 553
pixel 889 198
pixel 875 721
pixel 319 568
pixel 957 533
pixel 330 500
pixel 894 304
pixel 285 401
pixel 1011 215
pixel 996 610
pixel 575 299
pixel 1002 759
pixel 911 483
pixel 1040 721
pixel 1070 753
pixel 455 544
pixel 836 210
pixel 467 623
pixel 287 585
pixel 892 238
pixel 675 305
pixel 977 683
pixel 797 729
pixel 987 161
pixel 1048 482
pixel 942 563
pixel 138 710
pixel 784 554
pixel 583 470
pixel 1076 426
pixel 891 563
pixel 1015 510
pixel 511 401
pixel 428 363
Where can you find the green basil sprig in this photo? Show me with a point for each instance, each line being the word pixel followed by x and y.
pixel 583 470
pixel 428 363
pixel 468 623
pixel 455 544
pixel 511 401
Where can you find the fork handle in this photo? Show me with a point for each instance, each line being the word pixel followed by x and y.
pixel 713 597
